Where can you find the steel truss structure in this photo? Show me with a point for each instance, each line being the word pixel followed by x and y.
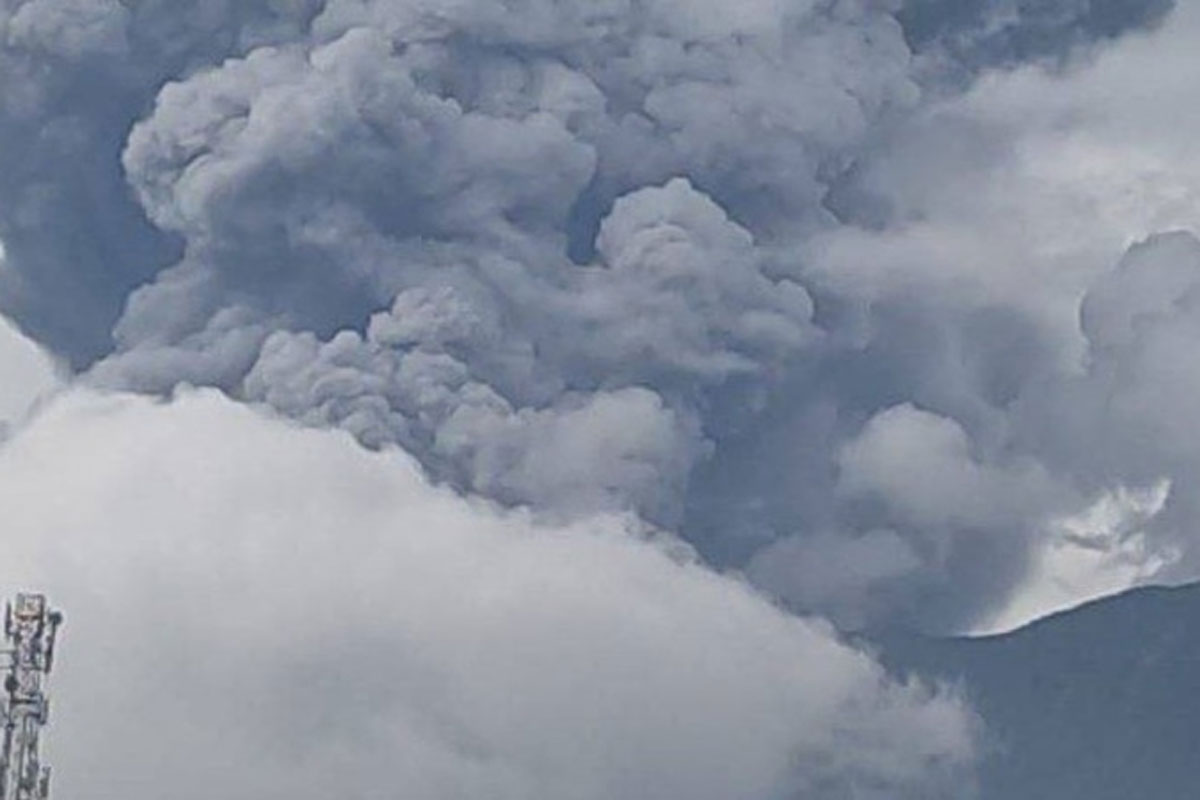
pixel 30 629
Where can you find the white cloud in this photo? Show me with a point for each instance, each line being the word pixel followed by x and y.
pixel 921 465
pixel 257 611
pixel 1097 552
pixel 27 373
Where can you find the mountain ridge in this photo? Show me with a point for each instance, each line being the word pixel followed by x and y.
pixel 1095 702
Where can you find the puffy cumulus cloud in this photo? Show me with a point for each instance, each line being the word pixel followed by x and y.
pixel 920 466
pixel 28 375
pixel 923 513
pixel 1153 288
pixel 1125 421
pixel 1101 551
pixel 256 610
pixel 1097 156
pixel 698 261
pixel 1031 176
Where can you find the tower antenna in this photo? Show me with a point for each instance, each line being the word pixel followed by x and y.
pixel 30 629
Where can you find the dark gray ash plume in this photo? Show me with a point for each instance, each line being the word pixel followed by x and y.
pixel 646 256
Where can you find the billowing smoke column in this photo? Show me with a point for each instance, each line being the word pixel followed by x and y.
pixel 712 263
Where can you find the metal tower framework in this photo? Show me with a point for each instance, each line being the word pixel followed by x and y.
pixel 30 628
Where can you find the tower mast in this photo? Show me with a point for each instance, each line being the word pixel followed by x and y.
pixel 30 628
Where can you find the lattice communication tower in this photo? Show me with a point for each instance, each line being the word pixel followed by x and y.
pixel 30 628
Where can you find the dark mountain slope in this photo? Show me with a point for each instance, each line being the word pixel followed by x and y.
pixel 1099 702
